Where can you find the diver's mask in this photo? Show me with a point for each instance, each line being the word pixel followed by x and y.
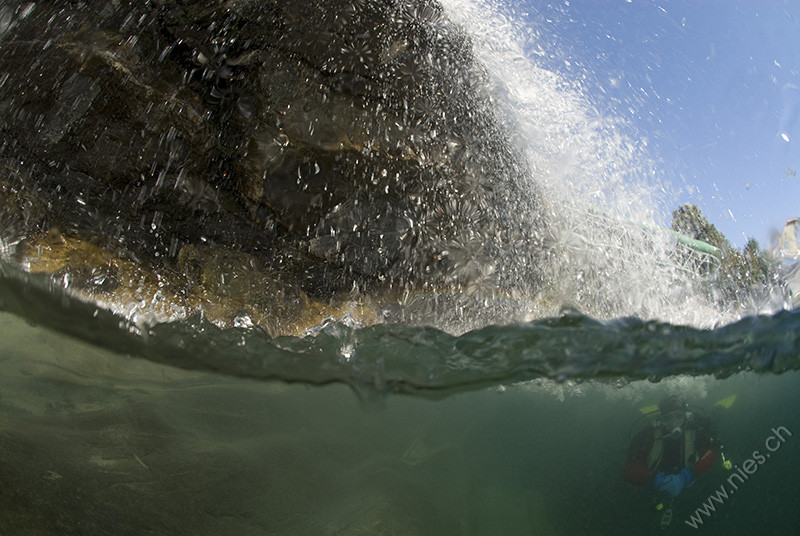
pixel 673 422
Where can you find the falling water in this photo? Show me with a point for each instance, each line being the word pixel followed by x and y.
pixel 611 255
pixel 492 391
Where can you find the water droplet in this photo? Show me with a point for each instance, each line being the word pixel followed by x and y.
pixel 243 321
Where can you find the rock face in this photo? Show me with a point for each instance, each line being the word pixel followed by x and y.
pixel 288 152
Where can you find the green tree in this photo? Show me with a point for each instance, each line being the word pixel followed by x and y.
pixel 689 220
pixel 759 269
pixel 740 272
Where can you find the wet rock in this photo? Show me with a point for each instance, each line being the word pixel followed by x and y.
pixel 305 149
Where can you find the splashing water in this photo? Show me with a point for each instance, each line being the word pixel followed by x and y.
pixel 225 428
pixel 604 255
pixel 611 255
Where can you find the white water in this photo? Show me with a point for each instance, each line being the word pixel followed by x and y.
pixel 607 202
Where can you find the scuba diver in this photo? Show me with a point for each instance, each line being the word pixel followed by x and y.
pixel 672 453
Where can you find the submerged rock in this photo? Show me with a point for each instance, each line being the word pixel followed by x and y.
pixel 272 157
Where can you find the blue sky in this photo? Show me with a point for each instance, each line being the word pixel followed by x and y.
pixel 712 85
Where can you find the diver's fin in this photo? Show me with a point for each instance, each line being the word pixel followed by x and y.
pixel 647 410
pixel 726 402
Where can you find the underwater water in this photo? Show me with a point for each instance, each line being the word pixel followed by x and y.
pixel 98 442
pixel 461 410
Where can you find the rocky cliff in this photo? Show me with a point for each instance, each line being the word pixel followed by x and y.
pixel 256 159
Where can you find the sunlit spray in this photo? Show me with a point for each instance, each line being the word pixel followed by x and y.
pixel 611 252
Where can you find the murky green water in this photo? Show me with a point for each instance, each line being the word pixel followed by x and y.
pixel 93 442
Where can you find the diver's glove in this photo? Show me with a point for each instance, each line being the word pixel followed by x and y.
pixel 672 485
